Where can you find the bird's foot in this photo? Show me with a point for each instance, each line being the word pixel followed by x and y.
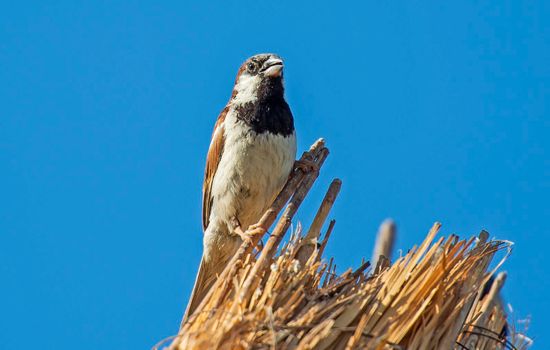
pixel 248 235
pixel 257 230
pixel 306 165
pixel 256 227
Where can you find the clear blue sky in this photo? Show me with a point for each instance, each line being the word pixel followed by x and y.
pixel 432 112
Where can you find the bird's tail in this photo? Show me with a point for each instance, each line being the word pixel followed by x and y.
pixel 206 276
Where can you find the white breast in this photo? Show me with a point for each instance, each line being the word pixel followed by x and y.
pixel 252 171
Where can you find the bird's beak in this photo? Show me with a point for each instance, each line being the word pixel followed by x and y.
pixel 273 67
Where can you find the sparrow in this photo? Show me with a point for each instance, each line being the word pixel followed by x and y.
pixel 251 155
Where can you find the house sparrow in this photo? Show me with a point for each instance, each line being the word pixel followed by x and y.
pixel 251 155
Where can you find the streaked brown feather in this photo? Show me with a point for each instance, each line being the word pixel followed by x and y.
pixel 212 160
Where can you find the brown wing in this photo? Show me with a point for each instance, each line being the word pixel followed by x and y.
pixel 212 160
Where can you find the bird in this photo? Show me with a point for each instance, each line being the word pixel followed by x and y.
pixel 251 155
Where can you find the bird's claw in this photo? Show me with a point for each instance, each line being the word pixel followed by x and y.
pixel 257 230
pixel 248 235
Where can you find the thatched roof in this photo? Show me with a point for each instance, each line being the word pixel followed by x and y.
pixel 437 296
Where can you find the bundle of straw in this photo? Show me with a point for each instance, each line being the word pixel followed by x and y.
pixel 289 298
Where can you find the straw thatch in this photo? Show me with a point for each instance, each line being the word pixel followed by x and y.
pixel 437 296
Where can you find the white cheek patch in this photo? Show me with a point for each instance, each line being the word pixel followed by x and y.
pixel 247 88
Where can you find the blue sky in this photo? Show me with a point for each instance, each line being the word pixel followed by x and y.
pixel 432 111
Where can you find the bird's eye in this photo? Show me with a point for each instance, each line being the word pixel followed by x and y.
pixel 251 67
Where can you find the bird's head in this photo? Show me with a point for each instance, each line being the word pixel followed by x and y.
pixel 259 78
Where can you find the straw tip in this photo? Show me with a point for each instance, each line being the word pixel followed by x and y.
pixel 319 143
pixel 389 223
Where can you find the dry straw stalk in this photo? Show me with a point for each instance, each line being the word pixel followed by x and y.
pixel 289 298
